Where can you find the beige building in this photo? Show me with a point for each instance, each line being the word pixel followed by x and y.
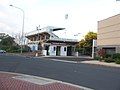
pixel 108 36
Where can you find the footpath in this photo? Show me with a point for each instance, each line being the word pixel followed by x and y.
pixel 95 62
pixel 81 59
pixel 15 81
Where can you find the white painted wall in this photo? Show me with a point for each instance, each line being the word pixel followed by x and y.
pixel 33 46
pixel 63 53
pixel 45 52
pixel 51 50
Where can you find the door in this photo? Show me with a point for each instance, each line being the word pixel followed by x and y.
pixel 58 50
pixel 69 51
pixel 47 49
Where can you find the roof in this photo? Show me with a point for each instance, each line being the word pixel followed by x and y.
pixel 109 17
pixel 53 37
pixel 45 29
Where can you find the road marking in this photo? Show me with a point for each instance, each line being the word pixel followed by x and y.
pixel 58 60
pixel 64 61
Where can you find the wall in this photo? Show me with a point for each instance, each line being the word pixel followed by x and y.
pixel 33 47
pixel 109 31
pixel 118 49
pixel 52 52
pixel 63 53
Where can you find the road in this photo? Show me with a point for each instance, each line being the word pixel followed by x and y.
pixel 91 76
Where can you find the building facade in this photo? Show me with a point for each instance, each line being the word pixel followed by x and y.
pixel 45 41
pixel 108 37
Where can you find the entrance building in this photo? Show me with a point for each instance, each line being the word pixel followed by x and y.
pixel 46 42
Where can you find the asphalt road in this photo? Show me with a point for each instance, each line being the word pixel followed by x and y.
pixel 92 76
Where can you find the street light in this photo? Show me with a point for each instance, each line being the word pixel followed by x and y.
pixel 22 25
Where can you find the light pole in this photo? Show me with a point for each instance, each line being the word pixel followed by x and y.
pixel 22 26
pixel 38 28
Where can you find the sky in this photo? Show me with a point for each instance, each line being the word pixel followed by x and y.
pixel 83 15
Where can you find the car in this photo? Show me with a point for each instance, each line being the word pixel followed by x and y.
pixel 2 51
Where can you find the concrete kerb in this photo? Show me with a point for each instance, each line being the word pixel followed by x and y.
pixel 40 80
pixel 64 61
pixel 13 54
pixel 61 60
pixel 88 57
pixel 95 62
pixel 92 62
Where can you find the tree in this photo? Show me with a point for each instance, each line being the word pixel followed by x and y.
pixel 89 38
pixel 8 44
pixel 26 48
pixel 86 43
pixel 82 43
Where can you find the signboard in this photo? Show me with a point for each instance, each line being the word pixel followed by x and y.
pixel 58 43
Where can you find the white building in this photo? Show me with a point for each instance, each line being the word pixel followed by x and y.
pixel 45 41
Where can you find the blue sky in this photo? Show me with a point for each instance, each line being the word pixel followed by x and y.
pixel 82 15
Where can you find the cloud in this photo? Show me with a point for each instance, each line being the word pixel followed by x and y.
pixel 4 28
pixel 83 14
pixel 3 2
pixel 2 14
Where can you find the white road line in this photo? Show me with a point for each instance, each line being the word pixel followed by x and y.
pixel 58 60
pixel 64 61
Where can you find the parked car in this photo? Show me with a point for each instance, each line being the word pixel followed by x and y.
pixel 2 51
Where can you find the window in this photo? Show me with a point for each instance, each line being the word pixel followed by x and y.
pixel 64 48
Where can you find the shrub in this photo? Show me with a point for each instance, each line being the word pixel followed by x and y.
pixel 108 55
pixel 109 60
pixel 97 58
pixel 116 56
pixel 101 53
pixel 117 61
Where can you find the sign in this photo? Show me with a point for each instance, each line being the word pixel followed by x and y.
pixel 58 43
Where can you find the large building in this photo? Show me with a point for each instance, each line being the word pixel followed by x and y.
pixel 45 41
pixel 108 37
